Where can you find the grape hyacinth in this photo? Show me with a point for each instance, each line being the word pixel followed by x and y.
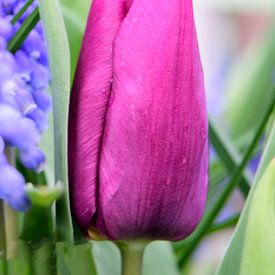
pixel 24 102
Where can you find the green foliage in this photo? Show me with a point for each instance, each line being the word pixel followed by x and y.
pixel 43 259
pixel 47 145
pixel 227 153
pixel 44 196
pixel 252 247
pixel 190 244
pixel 21 11
pixel 23 32
pixel 75 15
pixel 59 57
pixel 21 265
pixel 252 76
pixel 75 259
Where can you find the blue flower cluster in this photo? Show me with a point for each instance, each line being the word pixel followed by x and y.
pixel 24 102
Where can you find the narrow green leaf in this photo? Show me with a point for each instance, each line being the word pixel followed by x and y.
pixel 47 145
pixel 75 16
pixel 28 25
pixel 230 222
pixel 59 57
pixel 21 11
pixel 228 154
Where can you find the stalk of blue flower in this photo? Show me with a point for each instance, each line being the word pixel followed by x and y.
pixel 11 175
pixel 32 158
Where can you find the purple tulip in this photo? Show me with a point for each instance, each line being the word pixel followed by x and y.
pixel 138 150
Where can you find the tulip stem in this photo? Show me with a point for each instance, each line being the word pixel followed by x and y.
pixel 10 218
pixel 132 256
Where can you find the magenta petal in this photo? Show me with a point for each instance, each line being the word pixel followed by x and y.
pixel 89 104
pixel 153 169
pixel 138 150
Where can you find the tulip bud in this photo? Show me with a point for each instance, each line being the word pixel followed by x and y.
pixel 138 150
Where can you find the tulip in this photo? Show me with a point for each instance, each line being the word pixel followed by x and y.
pixel 138 150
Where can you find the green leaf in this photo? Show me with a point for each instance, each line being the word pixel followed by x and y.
pixel 255 253
pixel 158 259
pixel 59 57
pixel 21 11
pixel 80 7
pixel 251 82
pixel 75 16
pixel 75 259
pixel 268 154
pixel 28 25
pixel 43 259
pixel 259 244
pixel 44 196
pixel 21 264
pixel 232 261
pixel 190 244
pixel 47 145
pixel 227 153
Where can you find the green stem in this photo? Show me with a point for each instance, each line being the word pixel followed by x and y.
pixel 2 231
pixel 11 233
pixel 132 255
pixel 10 219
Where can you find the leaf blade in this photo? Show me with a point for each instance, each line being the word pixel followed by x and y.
pixel 59 58
pixel 231 263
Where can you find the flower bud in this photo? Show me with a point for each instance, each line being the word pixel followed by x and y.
pixel 138 150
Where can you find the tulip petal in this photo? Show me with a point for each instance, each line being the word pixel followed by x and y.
pixel 153 163
pixel 89 104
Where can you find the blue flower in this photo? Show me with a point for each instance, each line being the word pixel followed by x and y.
pixel 32 158
pixel 17 130
pixel 24 102
pixel 12 188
